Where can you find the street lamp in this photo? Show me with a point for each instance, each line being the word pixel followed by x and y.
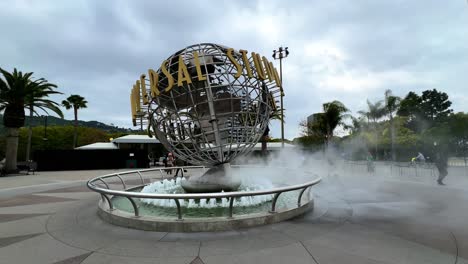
pixel 280 54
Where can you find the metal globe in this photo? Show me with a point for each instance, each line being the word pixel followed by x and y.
pixel 212 121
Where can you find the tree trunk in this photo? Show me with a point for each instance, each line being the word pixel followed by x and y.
pixel 28 147
pixel 75 132
pixel 376 140
pixel 11 153
pixel 392 139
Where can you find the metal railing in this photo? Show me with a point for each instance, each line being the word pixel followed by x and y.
pixel 402 169
pixel 130 195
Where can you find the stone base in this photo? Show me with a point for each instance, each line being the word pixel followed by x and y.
pixel 152 223
pixel 216 179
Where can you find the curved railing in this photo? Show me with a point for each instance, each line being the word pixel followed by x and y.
pixel 130 195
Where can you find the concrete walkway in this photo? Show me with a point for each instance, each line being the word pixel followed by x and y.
pixel 359 218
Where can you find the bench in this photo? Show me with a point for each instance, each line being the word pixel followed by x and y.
pixel 27 166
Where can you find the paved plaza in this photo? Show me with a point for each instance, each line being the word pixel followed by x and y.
pixel 359 218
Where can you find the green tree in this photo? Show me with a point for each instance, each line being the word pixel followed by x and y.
pixel 324 124
pixel 274 115
pixel 458 127
pixel 375 111
pixel 40 90
pixel 425 111
pixel 76 102
pixel 391 106
pixel 435 106
pixel 18 91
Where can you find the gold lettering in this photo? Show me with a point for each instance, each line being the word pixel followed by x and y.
pixel 277 78
pixel 235 62
pixel 268 70
pixel 198 67
pixel 272 102
pixel 132 104
pixel 183 74
pixel 170 79
pixel 246 63
pixel 258 66
pixel 154 79
pixel 137 98
pixel 143 89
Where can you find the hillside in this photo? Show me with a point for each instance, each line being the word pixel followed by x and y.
pixel 55 121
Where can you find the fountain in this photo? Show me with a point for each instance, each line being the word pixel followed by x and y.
pixel 208 105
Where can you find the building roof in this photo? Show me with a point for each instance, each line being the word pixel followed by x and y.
pixel 135 139
pixel 99 145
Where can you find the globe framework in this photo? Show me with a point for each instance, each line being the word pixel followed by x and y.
pixel 218 113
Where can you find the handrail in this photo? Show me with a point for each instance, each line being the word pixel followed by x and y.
pixel 203 195
pixel 176 197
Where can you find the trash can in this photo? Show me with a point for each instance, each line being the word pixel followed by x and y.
pixel 131 163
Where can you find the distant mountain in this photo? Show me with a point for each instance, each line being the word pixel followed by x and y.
pixel 55 121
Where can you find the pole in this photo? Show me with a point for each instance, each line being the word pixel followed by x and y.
pixel 280 54
pixel 282 94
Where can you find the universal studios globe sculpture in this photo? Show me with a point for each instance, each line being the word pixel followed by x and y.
pixel 208 104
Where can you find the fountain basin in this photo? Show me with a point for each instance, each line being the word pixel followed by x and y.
pixel 198 224
pixel 165 206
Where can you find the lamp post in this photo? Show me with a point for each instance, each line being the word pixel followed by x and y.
pixel 280 54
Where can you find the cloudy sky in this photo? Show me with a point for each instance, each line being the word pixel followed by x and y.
pixel 340 50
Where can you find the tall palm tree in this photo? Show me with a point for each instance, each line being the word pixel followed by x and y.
pixel 334 113
pixel 324 123
pixel 76 102
pixel 37 98
pixel 274 115
pixel 374 112
pixel 391 106
pixel 16 93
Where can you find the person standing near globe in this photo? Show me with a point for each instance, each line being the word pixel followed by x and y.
pixel 170 162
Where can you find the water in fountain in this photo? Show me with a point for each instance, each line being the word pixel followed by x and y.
pixel 175 186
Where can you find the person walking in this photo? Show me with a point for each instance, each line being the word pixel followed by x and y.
pixel 441 163
pixel 370 162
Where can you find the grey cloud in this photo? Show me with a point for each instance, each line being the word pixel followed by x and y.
pixel 99 48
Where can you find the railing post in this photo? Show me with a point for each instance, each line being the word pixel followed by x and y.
pixel 135 207
pixel 109 202
pixel 179 211
pixel 231 204
pixel 273 203
pixel 162 174
pixel 105 183
pixel 300 196
pixel 141 177
pixel 121 180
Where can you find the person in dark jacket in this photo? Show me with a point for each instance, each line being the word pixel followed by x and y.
pixel 441 162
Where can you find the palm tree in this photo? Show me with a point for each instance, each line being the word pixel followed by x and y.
pixel 274 115
pixel 17 90
pixel 324 123
pixel 37 98
pixel 375 112
pixel 334 113
pixel 76 102
pixel 391 106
